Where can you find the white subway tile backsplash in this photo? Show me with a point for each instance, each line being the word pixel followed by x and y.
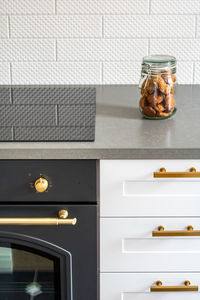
pixel 28 7
pixel 27 50
pixel 4 73
pixel 129 72
pixel 182 49
pixel 123 72
pixel 55 26
pixel 102 7
pixel 149 26
pixel 56 73
pixel 95 41
pixel 175 7
pixel 102 49
pixel 3 27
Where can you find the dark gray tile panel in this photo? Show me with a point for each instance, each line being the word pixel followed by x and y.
pixel 6 134
pixel 54 133
pixel 27 115
pixel 54 95
pixel 76 115
pixel 5 95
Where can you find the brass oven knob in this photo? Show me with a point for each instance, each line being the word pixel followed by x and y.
pixel 41 185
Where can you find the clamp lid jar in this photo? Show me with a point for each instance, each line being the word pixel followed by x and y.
pixel 157 84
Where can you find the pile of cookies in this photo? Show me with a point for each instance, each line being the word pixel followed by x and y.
pixel 158 95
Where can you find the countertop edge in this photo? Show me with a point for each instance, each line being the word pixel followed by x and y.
pixel 99 154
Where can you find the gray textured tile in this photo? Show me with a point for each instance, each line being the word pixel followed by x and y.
pixel 6 134
pixel 5 95
pixel 27 115
pixel 76 115
pixel 54 133
pixel 54 95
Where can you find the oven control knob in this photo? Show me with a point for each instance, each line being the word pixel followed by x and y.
pixel 41 185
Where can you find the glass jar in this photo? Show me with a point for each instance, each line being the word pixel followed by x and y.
pixel 157 83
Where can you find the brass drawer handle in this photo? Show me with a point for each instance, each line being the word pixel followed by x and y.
pixel 187 287
pixel 189 232
pixel 60 220
pixel 164 174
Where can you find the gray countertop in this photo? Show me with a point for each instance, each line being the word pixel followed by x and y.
pixel 121 133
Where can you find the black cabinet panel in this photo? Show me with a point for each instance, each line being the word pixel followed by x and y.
pixel 70 181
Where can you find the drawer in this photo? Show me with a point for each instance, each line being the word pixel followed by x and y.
pixel 128 189
pixel 69 181
pixel 127 245
pixel 134 286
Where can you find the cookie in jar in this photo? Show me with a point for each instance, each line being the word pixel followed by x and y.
pixel 157 85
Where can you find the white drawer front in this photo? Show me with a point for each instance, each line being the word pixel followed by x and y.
pixel 128 188
pixel 137 286
pixel 127 245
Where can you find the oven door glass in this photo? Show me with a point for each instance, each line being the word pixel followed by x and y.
pixel 27 275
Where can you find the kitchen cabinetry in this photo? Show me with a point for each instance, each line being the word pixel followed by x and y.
pixel 150 228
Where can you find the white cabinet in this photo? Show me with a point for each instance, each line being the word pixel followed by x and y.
pixel 127 245
pixel 128 188
pixel 136 286
pixel 133 204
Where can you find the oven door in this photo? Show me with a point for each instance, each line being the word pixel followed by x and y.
pixel 43 257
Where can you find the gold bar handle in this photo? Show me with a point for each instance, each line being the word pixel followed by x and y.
pixel 164 174
pixel 187 287
pixel 60 220
pixel 189 232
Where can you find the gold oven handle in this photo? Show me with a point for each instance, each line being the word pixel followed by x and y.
pixel 187 287
pixel 164 174
pixel 189 232
pixel 60 220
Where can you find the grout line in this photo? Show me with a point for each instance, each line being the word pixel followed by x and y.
pixel 102 26
pixel 101 72
pixel 56 107
pixel 8 24
pixel 11 96
pixel 13 133
pixel 107 38
pixel 56 50
pixel 148 47
pixel 10 73
pixel 149 7
pixel 193 79
pixel 55 7
pixel 196 26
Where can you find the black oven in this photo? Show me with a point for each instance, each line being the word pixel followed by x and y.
pixel 48 232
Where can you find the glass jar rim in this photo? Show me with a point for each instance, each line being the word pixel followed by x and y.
pixel 159 64
pixel 159 59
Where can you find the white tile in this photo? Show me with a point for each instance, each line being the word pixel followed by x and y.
pixel 102 7
pixel 55 73
pixel 175 7
pixel 185 50
pixel 3 27
pixel 4 73
pixel 149 26
pixel 184 72
pixel 198 27
pixel 121 72
pixel 27 50
pixel 197 73
pixel 101 49
pixel 55 26
pixel 12 7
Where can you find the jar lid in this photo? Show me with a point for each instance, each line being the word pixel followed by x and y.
pixel 156 59
pixel 158 64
